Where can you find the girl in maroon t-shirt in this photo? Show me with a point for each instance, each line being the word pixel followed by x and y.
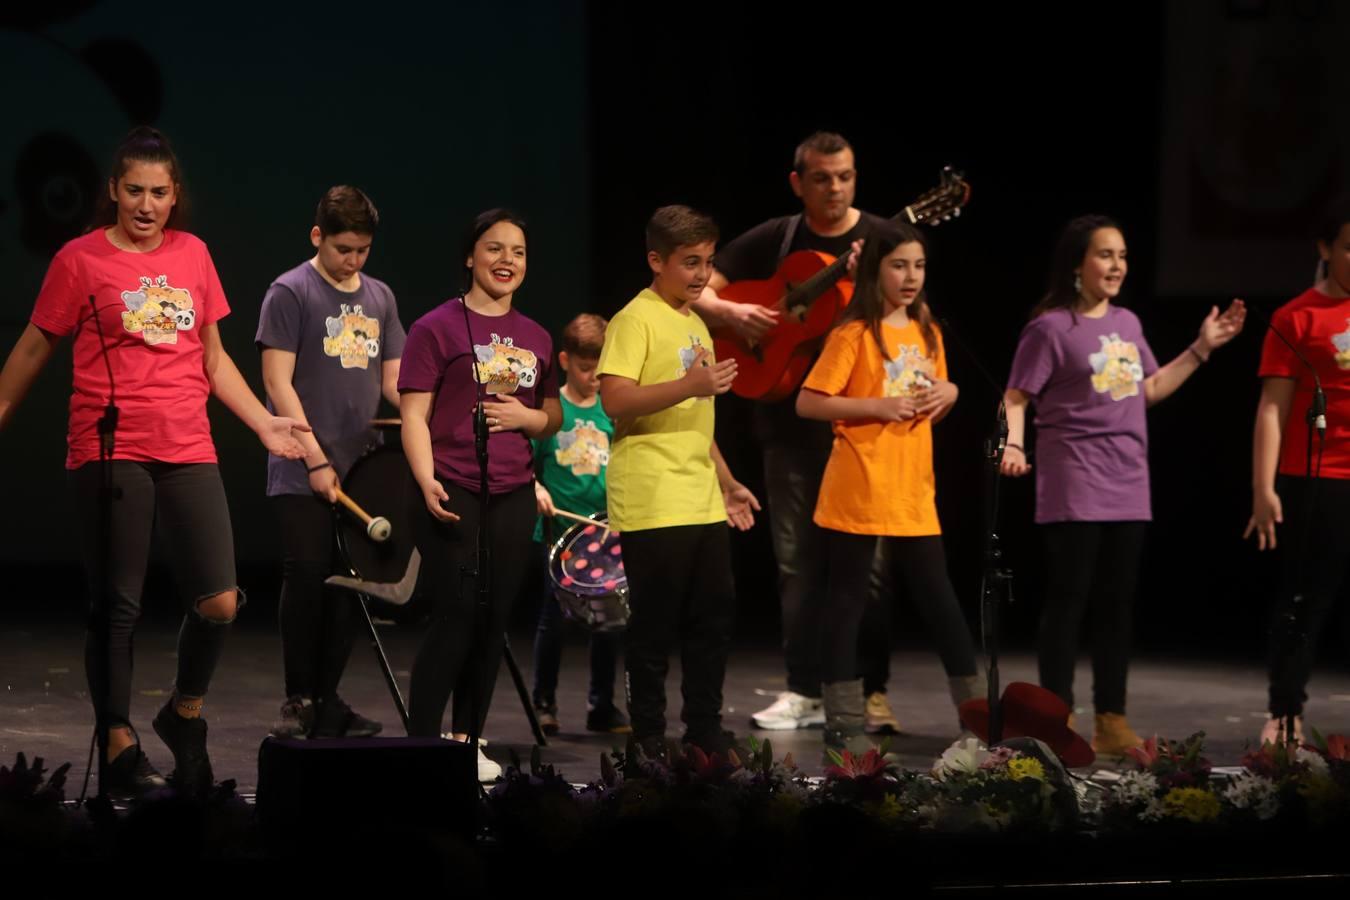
pixel 154 299
pixel 1317 322
pixel 477 339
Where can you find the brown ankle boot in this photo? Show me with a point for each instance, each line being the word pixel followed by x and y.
pixel 1112 735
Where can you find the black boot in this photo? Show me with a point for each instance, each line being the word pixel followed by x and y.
pixel 186 739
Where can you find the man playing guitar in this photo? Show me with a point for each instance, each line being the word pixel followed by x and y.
pixel 795 449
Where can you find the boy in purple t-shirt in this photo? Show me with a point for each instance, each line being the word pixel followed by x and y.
pixel 1085 365
pixel 331 341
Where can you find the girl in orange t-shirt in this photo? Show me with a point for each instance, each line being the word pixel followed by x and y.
pixel 882 381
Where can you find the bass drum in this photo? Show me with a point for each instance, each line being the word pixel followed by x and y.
pixel 382 484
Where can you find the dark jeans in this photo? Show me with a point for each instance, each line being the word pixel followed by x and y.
pixel 548 640
pixel 792 472
pixel 459 654
pixel 1312 568
pixel 318 624
pixel 922 563
pixel 1089 565
pixel 681 596
pixel 188 504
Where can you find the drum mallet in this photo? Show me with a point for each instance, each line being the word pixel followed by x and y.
pixel 378 528
pixel 576 518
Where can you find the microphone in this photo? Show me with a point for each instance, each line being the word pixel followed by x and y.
pixel 1317 411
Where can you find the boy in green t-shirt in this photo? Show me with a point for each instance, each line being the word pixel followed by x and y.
pixel 670 492
pixel 570 475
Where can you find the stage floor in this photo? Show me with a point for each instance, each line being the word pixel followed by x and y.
pixel 44 708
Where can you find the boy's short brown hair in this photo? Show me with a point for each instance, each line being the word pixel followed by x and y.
pixel 584 336
pixel 678 226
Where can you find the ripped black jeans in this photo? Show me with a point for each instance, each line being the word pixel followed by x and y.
pixel 188 503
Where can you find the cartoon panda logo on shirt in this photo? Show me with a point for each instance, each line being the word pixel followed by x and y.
pixel 583 448
pixel 1342 343
pixel 687 356
pixel 503 367
pixel 910 371
pixel 1116 367
pixel 158 311
pixel 353 337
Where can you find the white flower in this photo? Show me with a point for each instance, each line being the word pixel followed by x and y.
pixel 961 758
pixel 1153 811
pixel 1256 793
pixel 1135 788
pixel 1317 763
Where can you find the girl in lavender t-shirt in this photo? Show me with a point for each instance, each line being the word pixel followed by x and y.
pixel 1086 367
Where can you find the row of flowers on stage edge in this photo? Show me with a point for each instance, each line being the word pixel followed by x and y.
pixel 1016 785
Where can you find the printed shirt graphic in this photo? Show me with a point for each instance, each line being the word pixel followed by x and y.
pixel 513 355
pixel 1319 326
pixel 910 371
pixel 341 341
pixel 151 309
pixel 1085 379
pixel 1116 367
pixel 353 337
pixel 660 471
pixel 158 311
pixel 572 464
pixel 504 368
pixel 879 479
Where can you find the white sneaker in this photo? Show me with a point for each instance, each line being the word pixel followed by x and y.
pixel 790 711
pixel 488 771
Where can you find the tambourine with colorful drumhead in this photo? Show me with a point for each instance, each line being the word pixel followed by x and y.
pixel 585 567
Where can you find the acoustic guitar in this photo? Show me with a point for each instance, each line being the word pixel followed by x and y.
pixel 809 290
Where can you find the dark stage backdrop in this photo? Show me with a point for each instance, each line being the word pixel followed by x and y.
pixel 588 117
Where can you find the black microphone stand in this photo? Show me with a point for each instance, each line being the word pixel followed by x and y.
pixel 98 622
pixel 996 578
pixel 482 568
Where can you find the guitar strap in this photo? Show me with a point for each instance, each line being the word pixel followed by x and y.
pixel 785 248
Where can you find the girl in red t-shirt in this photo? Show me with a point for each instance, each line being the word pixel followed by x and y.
pixel 1317 322
pixel 151 296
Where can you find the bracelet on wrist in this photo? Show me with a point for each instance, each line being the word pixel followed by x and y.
pixel 323 465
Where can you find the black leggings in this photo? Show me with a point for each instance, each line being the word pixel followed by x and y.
pixel 1313 569
pixel 923 566
pixel 792 473
pixel 1089 564
pixel 318 624
pixel 188 504
pixel 456 655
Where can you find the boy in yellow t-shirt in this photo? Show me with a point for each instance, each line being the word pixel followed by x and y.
pixel 670 491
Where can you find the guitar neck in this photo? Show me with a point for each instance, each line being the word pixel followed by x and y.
pixel 810 289
pixel 931 208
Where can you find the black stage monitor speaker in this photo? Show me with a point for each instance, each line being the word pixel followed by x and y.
pixel 309 789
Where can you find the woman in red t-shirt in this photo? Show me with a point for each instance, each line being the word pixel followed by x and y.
pixel 1315 534
pixel 141 302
